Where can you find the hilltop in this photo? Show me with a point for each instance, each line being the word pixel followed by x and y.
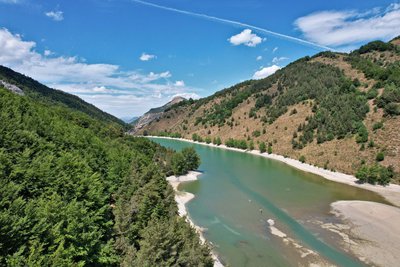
pixel 339 111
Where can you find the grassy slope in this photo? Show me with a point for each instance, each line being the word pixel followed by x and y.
pixel 339 154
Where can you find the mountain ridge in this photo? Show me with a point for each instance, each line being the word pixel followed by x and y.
pixel 39 91
pixel 154 114
pixel 339 111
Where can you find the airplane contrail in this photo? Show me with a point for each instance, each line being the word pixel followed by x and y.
pixel 237 23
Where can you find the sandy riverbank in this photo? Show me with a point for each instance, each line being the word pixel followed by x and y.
pixel 374 234
pixel 182 198
pixel 390 192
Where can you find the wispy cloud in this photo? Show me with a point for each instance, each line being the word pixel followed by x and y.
pixel 147 57
pixel 236 23
pixel 265 72
pixel 279 59
pixel 259 58
pixel 275 49
pixel 339 28
pixel 120 92
pixel 55 15
pixel 10 1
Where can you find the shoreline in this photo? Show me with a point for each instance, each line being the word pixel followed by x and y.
pixel 374 232
pixel 390 192
pixel 369 230
pixel 182 198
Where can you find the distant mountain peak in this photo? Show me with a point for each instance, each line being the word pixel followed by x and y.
pixel 155 113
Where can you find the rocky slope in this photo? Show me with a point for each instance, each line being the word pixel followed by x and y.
pixel 154 114
pixel 334 110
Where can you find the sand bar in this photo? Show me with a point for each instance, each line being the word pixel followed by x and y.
pixel 374 229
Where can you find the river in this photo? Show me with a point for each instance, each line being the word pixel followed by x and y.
pixel 238 193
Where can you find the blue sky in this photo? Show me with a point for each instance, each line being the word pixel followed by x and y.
pixel 126 57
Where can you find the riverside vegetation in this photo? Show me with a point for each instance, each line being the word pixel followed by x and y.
pixel 334 110
pixel 76 191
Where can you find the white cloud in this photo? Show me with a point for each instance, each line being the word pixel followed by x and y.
pixel 146 57
pixel 259 58
pixel 122 93
pixel 339 28
pixel 265 72
pixel 275 49
pixel 48 53
pixel 246 37
pixel 55 15
pixel 179 83
pixel 187 95
pixel 278 59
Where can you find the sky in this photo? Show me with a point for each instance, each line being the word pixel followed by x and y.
pixel 127 56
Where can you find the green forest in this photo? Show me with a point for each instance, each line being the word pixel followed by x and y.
pixel 76 191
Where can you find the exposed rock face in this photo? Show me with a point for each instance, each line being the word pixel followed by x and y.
pixel 12 87
pixel 154 114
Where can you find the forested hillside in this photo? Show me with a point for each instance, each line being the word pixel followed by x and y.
pixel 335 110
pixel 76 191
pixel 48 95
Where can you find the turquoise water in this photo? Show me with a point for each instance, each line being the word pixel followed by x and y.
pixel 238 192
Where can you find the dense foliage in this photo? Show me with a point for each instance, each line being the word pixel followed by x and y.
pixel 76 192
pixel 185 160
pixel 375 174
pixel 242 144
pixel 377 46
pixel 386 74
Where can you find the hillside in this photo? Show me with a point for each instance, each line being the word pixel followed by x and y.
pixel 76 191
pixel 38 91
pixel 334 110
pixel 154 114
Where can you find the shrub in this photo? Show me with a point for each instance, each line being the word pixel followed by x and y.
pixel 380 156
pixel 377 125
pixel 256 133
pixel 217 141
pixel 262 147
pixel 302 159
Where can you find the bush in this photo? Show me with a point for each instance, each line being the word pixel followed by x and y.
pixel 256 133
pixel 375 174
pixel 251 145
pixel 380 156
pixel 217 141
pixel 195 137
pixel 302 159
pixel 362 134
pixel 262 147
pixel 377 125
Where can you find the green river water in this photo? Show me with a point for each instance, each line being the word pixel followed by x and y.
pixel 238 192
